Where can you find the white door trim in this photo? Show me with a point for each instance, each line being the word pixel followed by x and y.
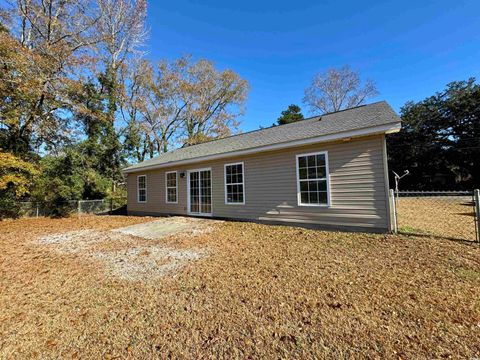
pixel 188 192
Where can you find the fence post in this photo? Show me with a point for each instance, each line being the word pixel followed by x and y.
pixel 37 210
pixel 393 211
pixel 78 207
pixel 476 195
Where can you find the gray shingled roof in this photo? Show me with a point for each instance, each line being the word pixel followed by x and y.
pixel 365 116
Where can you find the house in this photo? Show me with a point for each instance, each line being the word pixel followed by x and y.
pixel 328 171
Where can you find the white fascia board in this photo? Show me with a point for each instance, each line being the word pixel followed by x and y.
pixel 375 130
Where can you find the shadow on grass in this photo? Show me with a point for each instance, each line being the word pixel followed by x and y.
pixel 422 234
pixel 472 214
pixel 121 211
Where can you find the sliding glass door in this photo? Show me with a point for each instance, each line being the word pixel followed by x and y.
pixel 200 192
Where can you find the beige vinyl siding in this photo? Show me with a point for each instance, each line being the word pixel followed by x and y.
pixel 357 187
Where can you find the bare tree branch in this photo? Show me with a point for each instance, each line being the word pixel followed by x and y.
pixel 337 89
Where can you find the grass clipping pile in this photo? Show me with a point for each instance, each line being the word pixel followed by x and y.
pixel 135 252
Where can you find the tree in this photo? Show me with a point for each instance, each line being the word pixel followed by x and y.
pixel 44 44
pixel 88 108
pixel 77 98
pixel 292 114
pixel 20 87
pixel 337 89
pixel 154 107
pixel 164 106
pixel 181 103
pixel 440 140
pixel 211 100
pixel 136 143
pixel 121 28
pixel 89 111
pixel 16 177
pixel 67 177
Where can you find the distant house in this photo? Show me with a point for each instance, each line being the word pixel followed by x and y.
pixel 328 171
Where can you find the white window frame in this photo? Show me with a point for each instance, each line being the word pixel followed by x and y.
pixel 189 195
pixel 171 187
pixel 327 178
pixel 138 188
pixel 242 183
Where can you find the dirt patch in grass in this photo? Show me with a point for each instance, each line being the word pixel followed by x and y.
pixel 263 292
pixel 187 226
pixel 124 256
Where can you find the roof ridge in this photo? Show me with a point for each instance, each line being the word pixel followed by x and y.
pixel 378 114
pixel 252 131
pixel 352 108
pixel 274 126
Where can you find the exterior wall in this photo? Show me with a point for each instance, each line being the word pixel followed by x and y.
pixel 358 187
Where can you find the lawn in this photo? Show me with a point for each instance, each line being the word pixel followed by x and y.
pixel 258 291
pixel 442 216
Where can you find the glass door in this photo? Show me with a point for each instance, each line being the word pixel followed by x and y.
pixel 200 192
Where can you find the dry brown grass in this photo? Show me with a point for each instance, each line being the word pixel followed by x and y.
pixel 263 291
pixel 451 217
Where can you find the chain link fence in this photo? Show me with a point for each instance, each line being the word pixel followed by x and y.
pixel 72 207
pixel 446 214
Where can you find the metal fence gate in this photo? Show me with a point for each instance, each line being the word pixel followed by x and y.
pixel 445 214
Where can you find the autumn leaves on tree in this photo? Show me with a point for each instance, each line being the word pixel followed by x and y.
pixel 75 87
pixel 181 103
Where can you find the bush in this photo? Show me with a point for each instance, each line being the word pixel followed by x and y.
pixel 16 177
pixel 9 207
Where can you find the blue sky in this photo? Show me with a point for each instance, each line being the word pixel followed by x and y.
pixel 411 49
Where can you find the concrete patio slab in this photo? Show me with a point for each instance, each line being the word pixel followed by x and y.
pixel 160 228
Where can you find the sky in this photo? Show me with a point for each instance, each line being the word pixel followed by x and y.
pixel 410 49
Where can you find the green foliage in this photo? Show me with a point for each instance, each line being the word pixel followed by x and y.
pixel 65 178
pixel 440 140
pixel 111 157
pixel 61 85
pixel 102 147
pixel 16 178
pixel 111 160
pixel 132 144
pixel 292 114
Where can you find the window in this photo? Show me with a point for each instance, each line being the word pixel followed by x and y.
pixel 142 188
pixel 234 186
pixel 312 179
pixel 171 187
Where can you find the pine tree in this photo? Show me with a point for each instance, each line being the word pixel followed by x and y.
pixel 292 114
